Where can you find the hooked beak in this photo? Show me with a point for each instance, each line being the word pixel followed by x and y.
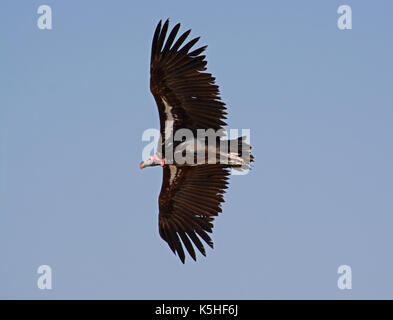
pixel 142 165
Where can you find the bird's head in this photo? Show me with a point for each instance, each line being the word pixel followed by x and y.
pixel 152 161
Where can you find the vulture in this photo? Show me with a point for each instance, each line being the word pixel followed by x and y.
pixel 188 99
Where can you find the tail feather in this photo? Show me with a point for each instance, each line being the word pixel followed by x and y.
pixel 241 158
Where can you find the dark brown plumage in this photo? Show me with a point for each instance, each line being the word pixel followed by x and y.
pixel 176 76
pixel 188 205
pixel 190 196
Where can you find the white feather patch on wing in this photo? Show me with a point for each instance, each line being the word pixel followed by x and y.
pixel 168 111
pixel 173 171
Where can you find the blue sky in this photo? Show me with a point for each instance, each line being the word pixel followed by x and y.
pixel 75 100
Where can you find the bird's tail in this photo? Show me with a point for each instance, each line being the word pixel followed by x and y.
pixel 240 158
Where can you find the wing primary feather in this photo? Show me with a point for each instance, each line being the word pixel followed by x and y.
pixel 187 244
pixel 180 40
pixel 154 43
pixel 188 46
pixel 198 51
pixel 176 243
pixel 197 242
pixel 170 39
pixel 164 232
pixel 205 237
pixel 161 39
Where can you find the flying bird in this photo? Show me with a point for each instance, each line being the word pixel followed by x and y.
pixel 188 99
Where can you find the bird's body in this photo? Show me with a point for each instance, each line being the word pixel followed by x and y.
pixel 196 160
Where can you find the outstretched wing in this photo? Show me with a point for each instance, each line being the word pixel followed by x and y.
pixel 189 200
pixel 182 91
